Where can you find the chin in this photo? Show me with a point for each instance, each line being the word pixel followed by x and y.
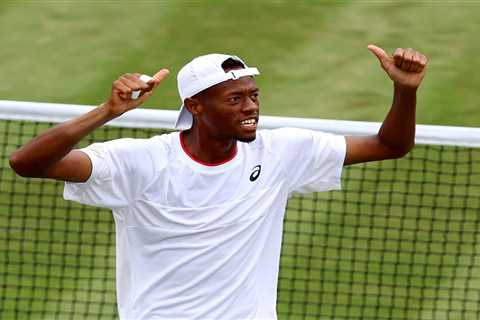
pixel 247 138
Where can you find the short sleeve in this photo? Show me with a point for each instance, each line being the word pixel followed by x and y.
pixel 114 179
pixel 312 160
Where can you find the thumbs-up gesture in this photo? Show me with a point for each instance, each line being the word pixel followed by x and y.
pixel 406 67
pixel 121 99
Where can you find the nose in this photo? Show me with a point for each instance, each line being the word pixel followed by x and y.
pixel 251 106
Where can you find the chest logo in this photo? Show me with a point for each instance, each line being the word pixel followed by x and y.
pixel 255 172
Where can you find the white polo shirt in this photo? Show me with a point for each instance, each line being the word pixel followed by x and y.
pixel 197 241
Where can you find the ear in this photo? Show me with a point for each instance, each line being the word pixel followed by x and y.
pixel 193 105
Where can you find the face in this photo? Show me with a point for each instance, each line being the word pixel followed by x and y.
pixel 230 109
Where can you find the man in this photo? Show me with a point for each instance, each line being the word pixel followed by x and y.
pixel 199 213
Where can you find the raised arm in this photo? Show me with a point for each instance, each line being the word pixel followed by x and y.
pixel 396 136
pixel 50 154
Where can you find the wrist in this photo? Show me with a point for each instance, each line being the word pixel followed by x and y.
pixel 108 111
pixel 405 88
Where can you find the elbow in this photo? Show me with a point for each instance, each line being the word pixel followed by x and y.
pixel 15 164
pixel 395 147
pixel 397 152
pixel 19 166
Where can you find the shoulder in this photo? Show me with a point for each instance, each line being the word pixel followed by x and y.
pixel 294 141
pixel 133 151
pixel 166 141
pixel 290 135
pixel 134 145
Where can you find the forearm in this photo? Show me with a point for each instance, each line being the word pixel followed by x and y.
pixel 397 132
pixel 396 136
pixel 36 156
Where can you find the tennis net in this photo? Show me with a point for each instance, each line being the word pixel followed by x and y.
pixel 400 241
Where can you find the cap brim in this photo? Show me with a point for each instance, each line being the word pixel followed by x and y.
pixel 184 119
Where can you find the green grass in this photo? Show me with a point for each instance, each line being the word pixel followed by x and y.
pixel 399 243
pixel 312 55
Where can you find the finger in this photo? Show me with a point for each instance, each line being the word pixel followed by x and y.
pixel 144 82
pixel 133 78
pixel 120 90
pixel 119 87
pixel 423 63
pixel 153 83
pixel 381 55
pixel 160 76
pixel 415 62
pixel 398 57
pixel 144 96
pixel 133 84
pixel 407 59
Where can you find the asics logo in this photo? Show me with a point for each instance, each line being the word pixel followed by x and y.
pixel 255 172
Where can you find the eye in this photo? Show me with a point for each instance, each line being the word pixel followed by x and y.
pixel 234 99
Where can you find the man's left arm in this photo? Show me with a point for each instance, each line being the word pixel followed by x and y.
pixel 396 136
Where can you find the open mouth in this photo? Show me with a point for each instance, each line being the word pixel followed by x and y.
pixel 249 123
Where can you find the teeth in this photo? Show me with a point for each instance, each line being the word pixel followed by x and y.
pixel 248 122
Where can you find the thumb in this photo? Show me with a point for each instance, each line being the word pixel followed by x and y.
pixel 162 74
pixel 158 77
pixel 381 55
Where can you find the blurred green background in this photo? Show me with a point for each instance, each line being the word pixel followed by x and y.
pixel 401 240
pixel 312 54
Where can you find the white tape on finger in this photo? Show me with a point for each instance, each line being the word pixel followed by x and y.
pixel 144 78
pixel 135 95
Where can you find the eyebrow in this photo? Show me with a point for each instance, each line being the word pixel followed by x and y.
pixel 229 93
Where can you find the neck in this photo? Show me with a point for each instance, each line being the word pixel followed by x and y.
pixel 206 149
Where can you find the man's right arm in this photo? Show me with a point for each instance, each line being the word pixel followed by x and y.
pixel 50 154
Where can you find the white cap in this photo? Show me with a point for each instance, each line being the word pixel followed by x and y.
pixel 202 73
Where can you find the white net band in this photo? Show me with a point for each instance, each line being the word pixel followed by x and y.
pixel 165 119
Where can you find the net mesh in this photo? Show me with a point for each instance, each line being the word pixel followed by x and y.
pixel 400 241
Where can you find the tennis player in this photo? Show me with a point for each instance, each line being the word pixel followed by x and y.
pixel 199 212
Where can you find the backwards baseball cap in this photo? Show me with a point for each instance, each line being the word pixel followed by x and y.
pixel 202 73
